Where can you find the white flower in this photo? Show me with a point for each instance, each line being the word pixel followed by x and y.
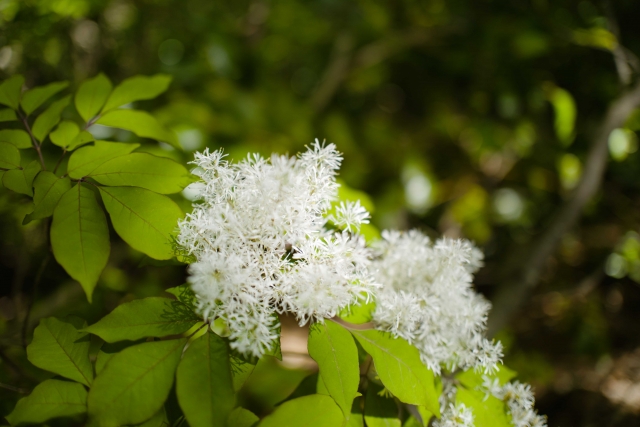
pixel 427 298
pixel 455 416
pixel 351 215
pixel 519 399
pixel 261 246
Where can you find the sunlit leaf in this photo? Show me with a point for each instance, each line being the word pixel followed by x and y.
pixel 33 98
pixel 148 317
pixel 380 411
pixel 399 367
pixel 241 417
pixel 49 118
pixel 21 180
pixel 16 137
pixel 565 113
pixel 203 382
pixel 144 219
pixel 9 156
pixel 86 159
pixel 135 383
pixel 141 123
pixel 80 236
pixel 69 136
pixel 316 410
pixel 91 96
pixel 333 348
pixel 487 410
pixel 158 174
pixel 59 347
pixel 7 115
pixel 472 379
pixel 11 91
pixel 50 399
pixel 137 88
pixel 48 189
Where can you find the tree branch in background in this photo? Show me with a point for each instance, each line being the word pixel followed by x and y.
pixel 344 60
pixel 513 293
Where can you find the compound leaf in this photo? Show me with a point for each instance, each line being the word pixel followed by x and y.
pixel 316 410
pixel 50 399
pixel 134 384
pixel 86 159
pixel 49 118
pixel 148 317
pixel 399 366
pixel 21 180
pixel 80 236
pixel 141 123
pixel 144 219
pixel 7 115
pixel 48 189
pixel 91 96
pixel 33 98
pixel 137 88
pixel 11 90
pixel 16 137
pixel 9 156
pixel 203 383
pixel 241 417
pixel 159 174
pixel 59 347
pixel 69 136
pixel 332 346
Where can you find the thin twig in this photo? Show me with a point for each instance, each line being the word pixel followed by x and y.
pixel 513 293
pixel 25 122
pixel 12 388
pixel 55 169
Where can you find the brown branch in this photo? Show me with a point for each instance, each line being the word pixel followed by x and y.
pixel 23 118
pixel 513 293
pixel 344 60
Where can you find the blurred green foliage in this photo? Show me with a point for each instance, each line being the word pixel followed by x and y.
pixel 468 118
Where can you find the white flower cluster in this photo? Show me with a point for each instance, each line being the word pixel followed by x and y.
pixel 261 246
pixel 519 399
pixel 427 298
pixel 455 416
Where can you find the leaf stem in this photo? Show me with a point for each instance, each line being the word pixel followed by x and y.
pixel 12 388
pixel 36 282
pixel 64 151
pixel 33 139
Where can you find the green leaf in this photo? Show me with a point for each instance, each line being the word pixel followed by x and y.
pixel 359 313
pixel 33 98
pixel 86 159
pixel 16 137
pixel 240 370
pixel 59 347
pixel 565 113
pixel 148 317
pixel 50 399
pixel 399 366
pixel 91 96
pixel 108 350
pixel 137 88
pixel 158 420
pixel 7 115
pixel 69 136
pixel 158 174
pixel 472 379
pixel 80 236
pixel 487 410
pixel 357 417
pixel 9 156
pixel 380 411
pixel 141 123
pixel 203 382
pixel 144 219
pixel 48 189
pixel 135 383
pixel 21 180
pixel 316 410
pixel 49 118
pixel 11 90
pixel 333 348
pixel 241 417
